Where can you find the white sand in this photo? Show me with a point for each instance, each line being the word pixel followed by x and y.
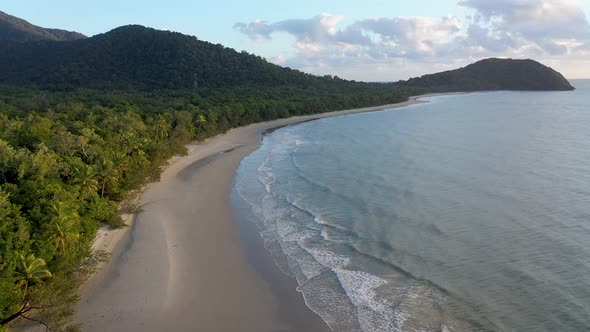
pixel 182 266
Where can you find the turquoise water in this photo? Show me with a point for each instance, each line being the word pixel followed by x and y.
pixel 467 213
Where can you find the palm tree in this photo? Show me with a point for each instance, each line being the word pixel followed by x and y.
pixel 106 173
pixel 31 270
pixel 86 179
pixel 63 233
pixel 63 227
pixel 130 143
pixel 162 127
pixel 120 161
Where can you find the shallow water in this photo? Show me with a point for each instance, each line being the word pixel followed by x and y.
pixel 467 213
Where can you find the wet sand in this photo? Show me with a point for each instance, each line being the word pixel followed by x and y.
pixel 185 264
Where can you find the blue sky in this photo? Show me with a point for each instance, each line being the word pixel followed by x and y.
pixel 364 40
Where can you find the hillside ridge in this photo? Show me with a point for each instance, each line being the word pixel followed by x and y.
pixel 495 74
pixel 19 30
pixel 141 58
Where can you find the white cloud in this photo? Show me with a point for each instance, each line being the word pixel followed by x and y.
pixel 412 36
pixel 549 24
pixel 508 28
pixel 497 42
pixel 279 59
pixel 311 33
pixel 375 38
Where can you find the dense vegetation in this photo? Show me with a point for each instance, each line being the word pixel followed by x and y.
pixel 494 74
pixel 139 58
pixel 16 29
pixel 66 160
pixel 135 57
pixel 84 124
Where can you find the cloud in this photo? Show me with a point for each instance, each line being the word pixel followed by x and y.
pixel 548 24
pixel 478 36
pixel 256 30
pixel 375 37
pixel 583 48
pixel 412 36
pixel 312 34
pixel 507 28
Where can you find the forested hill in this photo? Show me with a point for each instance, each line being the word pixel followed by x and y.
pixel 494 74
pixel 19 30
pixel 139 58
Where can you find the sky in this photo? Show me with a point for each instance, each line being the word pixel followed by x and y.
pixel 369 40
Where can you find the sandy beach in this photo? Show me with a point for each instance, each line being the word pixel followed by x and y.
pixel 184 264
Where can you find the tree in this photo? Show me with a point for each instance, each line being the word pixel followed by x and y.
pixel 86 179
pixel 35 130
pixel 162 127
pixel 106 173
pixel 31 270
pixel 63 228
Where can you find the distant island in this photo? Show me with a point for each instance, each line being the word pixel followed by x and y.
pixel 86 122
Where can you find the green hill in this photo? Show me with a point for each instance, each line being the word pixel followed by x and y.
pixel 140 58
pixel 19 30
pixel 135 57
pixel 494 74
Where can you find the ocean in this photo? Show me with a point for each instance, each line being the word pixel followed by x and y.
pixel 467 213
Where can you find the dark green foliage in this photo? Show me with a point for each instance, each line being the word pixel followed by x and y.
pixel 138 58
pixel 493 74
pixel 142 58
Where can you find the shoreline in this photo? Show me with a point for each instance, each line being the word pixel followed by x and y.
pixel 184 262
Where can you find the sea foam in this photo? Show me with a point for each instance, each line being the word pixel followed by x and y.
pixel 347 298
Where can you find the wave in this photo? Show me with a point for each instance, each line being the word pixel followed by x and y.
pixel 330 272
